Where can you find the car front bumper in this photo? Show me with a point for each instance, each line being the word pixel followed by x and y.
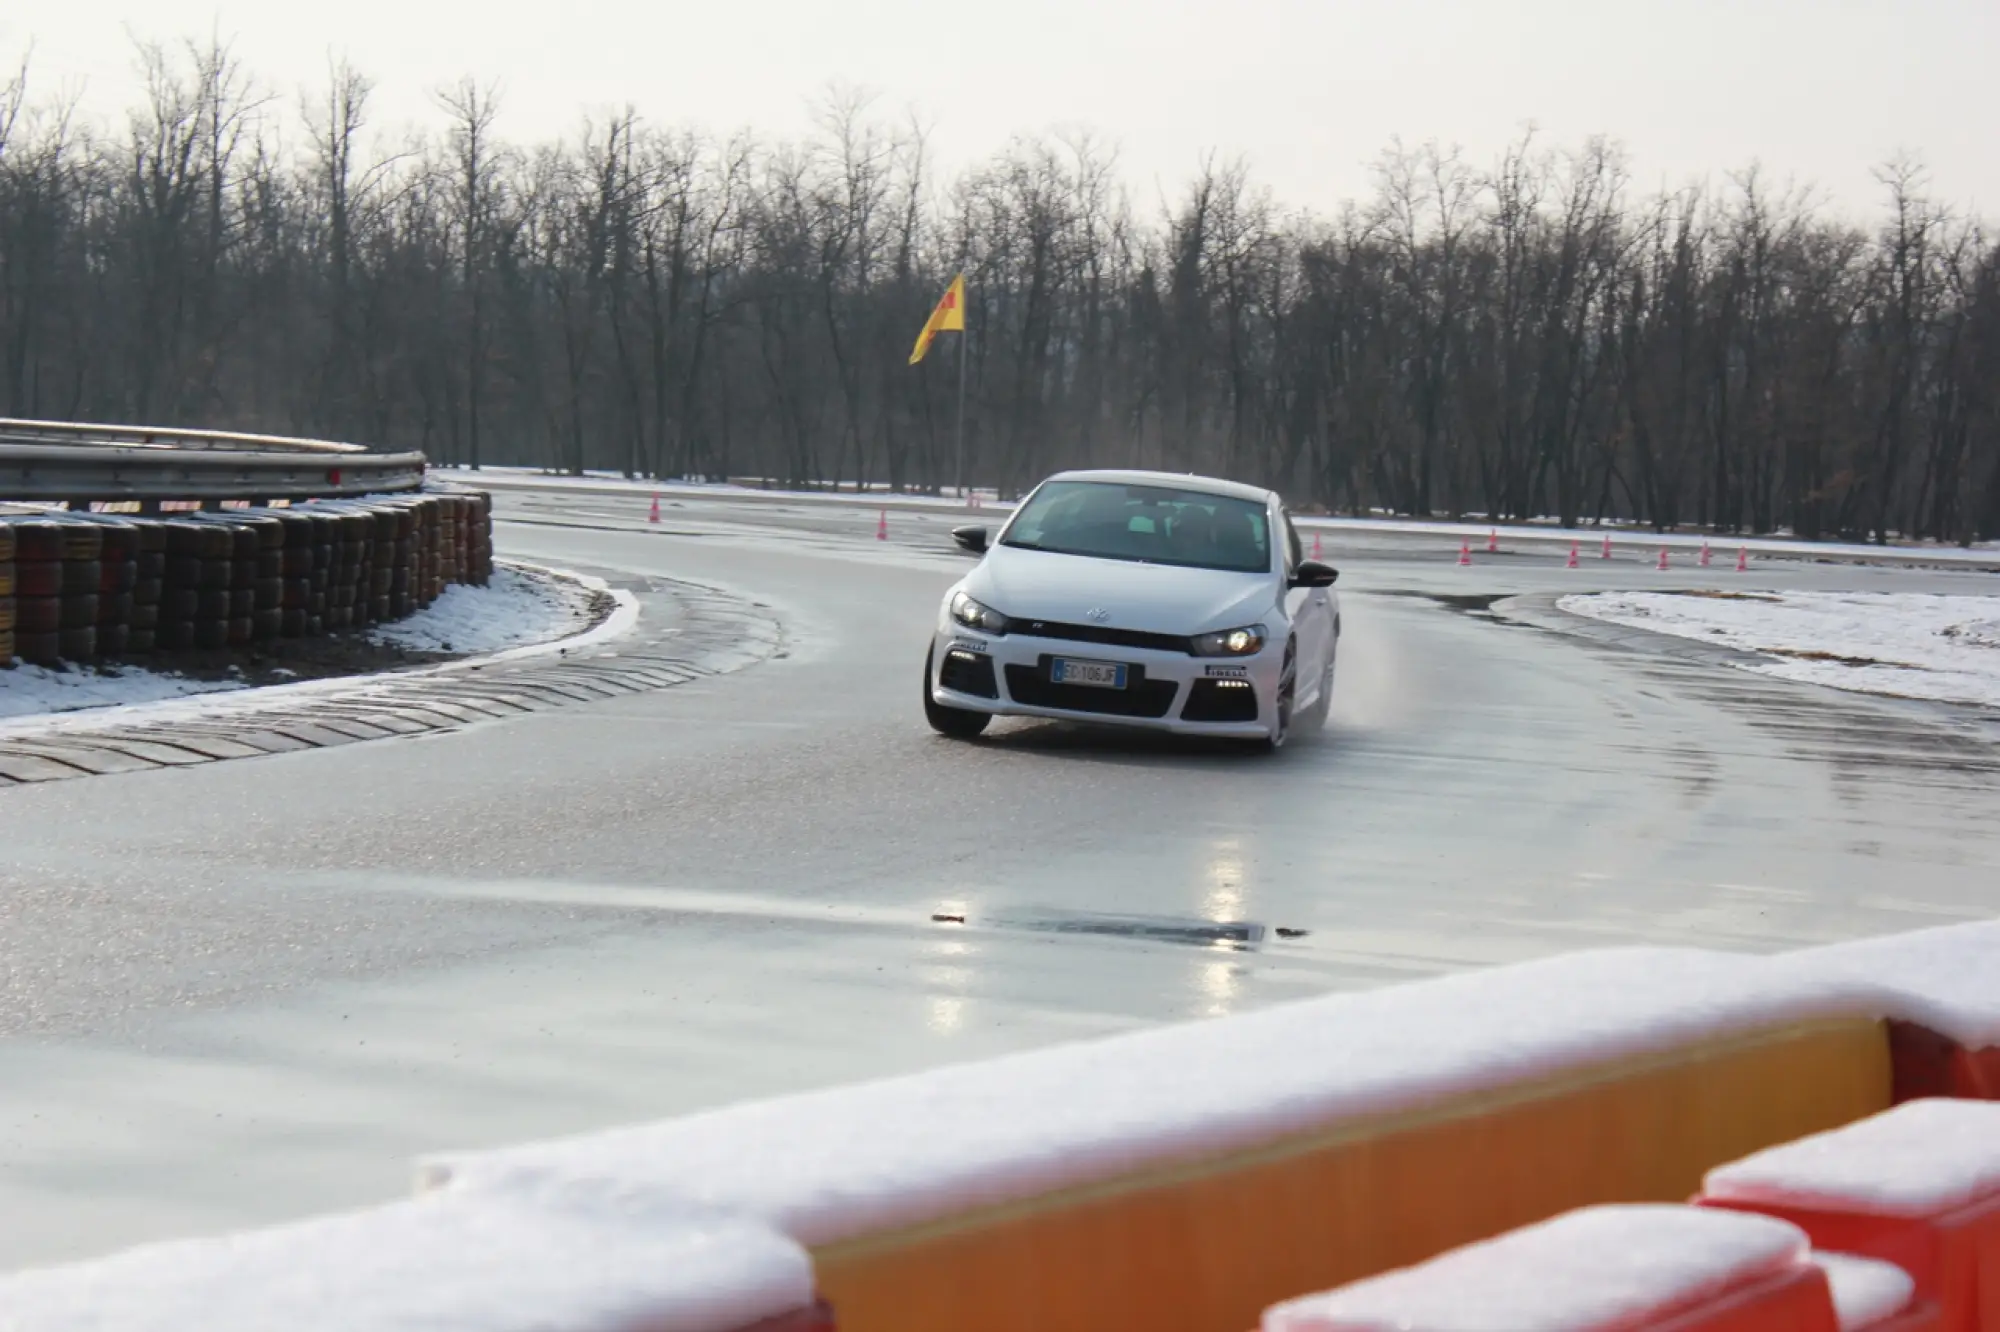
pixel 1009 676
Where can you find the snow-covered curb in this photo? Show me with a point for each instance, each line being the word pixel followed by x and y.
pixel 226 698
pixel 1913 645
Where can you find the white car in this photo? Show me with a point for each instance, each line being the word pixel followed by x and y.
pixel 1175 603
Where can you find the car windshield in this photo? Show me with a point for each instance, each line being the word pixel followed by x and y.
pixel 1147 524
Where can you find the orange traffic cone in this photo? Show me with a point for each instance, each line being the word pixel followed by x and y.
pixel 1572 556
pixel 882 526
pixel 1315 545
pixel 654 516
pixel 1663 557
pixel 1493 542
pixel 1704 553
pixel 1465 553
pixel 1743 560
pixel 1607 545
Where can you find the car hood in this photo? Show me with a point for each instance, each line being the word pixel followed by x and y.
pixel 1151 598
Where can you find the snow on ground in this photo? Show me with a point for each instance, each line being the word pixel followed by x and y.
pixel 514 609
pixel 517 608
pixel 1909 644
pixel 31 690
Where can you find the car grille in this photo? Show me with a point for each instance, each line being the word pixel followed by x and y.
pixel 1140 697
pixel 1220 701
pixel 1091 633
pixel 968 673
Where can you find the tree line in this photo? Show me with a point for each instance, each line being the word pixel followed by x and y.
pixel 1530 337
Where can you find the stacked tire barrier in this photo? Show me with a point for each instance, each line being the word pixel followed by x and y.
pixel 88 587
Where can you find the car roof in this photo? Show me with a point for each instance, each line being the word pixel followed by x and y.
pixel 1172 481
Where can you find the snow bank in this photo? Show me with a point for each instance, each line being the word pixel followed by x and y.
pixel 518 608
pixel 515 608
pixel 1910 644
pixel 1613 1266
pixel 1865 1290
pixel 33 690
pixel 830 1165
pixel 1919 1159
pixel 431 1265
pixel 1946 979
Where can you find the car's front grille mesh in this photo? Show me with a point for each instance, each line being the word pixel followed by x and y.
pixel 968 673
pixel 1220 701
pixel 1090 633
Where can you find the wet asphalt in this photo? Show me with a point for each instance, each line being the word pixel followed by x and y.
pixel 250 990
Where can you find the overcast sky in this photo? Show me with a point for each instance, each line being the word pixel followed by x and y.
pixel 1309 91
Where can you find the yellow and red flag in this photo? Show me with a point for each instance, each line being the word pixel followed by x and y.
pixel 949 316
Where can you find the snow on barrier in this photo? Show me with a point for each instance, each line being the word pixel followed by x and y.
pixel 1600 1269
pixel 1945 1036
pixel 543 1264
pixel 1627 1268
pixel 1918 1187
pixel 1188 1178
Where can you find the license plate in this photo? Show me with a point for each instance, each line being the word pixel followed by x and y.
pixel 1097 674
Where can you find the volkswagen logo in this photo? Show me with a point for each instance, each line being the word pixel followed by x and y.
pixel 1097 613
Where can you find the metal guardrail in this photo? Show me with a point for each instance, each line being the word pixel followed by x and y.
pixel 91 432
pixel 51 461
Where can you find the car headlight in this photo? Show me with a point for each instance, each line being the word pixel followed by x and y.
pixel 1245 642
pixel 973 615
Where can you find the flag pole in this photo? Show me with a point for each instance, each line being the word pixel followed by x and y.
pixel 963 334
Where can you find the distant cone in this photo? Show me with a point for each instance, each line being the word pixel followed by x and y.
pixel 1465 553
pixel 1704 554
pixel 1743 560
pixel 1315 545
pixel 1493 542
pixel 1663 557
pixel 654 516
pixel 1572 556
pixel 882 526
pixel 1607 545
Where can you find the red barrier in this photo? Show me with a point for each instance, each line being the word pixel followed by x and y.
pixel 1917 1186
pixel 1923 1063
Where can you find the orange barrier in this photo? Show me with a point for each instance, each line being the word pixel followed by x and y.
pixel 819 1318
pixel 1918 1186
pixel 1599 1269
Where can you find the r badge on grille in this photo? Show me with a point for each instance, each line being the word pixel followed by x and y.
pixel 1097 613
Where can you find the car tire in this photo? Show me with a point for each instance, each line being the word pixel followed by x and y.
pixel 1314 717
pixel 1288 688
pixel 958 723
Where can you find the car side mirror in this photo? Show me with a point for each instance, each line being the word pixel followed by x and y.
pixel 970 538
pixel 1311 573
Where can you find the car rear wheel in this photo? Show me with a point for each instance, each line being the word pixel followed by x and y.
pixel 958 723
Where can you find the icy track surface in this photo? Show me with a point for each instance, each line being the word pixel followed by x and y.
pixel 1917 646
pixel 515 609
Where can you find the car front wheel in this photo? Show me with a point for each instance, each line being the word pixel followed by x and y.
pixel 1288 689
pixel 1314 717
pixel 958 723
